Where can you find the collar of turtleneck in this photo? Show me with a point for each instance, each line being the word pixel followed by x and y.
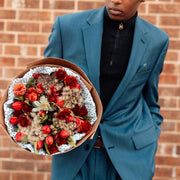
pixel 120 24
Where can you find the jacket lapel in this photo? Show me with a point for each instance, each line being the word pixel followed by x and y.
pixel 92 34
pixel 140 43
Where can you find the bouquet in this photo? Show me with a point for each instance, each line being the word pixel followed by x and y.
pixel 49 110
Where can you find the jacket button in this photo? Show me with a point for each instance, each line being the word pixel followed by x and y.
pixel 86 147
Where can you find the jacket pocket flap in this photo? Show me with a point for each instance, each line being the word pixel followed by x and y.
pixel 144 138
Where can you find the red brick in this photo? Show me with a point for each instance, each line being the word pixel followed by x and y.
pixel 24 61
pixel 14 165
pixel 4 84
pixel 178 127
pixel 12 72
pixel 86 5
pixel 171 68
pixel 171 56
pixel 172 32
pixel 165 149
pixel 21 154
pixel 31 51
pixel 1 3
pixel 6 38
pixel 42 50
pixel 1 73
pixel 58 4
pixel 171 20
pixel 48 176
pixel 44 167
pixel 168 126
pixel 33 39
pixel 23 4
pixel 174 44
pixel 142 8
pixel 46 27
pixel 35 15
pixel 171 114
pixel 5 153
pixel 7 14
pixel 5 61
pixel 169 91
pixel 12 50
pixel 1 26
pixel 5 175
pixel 151 19
pixel 177 172
pixel 170 161
pixel 168 102
pixel 168 79
pixel 164 8
pixel 27 176
pixel 22 26
pixel 59 13
pixel 163 172
pixel 169 138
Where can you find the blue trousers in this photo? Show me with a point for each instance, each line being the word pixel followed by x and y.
pixel 97 167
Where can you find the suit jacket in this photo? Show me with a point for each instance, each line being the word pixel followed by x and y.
pixel 131 121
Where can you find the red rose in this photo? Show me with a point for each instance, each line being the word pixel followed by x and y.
pixel 78 86
pixel 13 120
pixel 86 127
pixel 79 125
pixel 19 89
pixel 46 129
pixel 26 108
pixel 63 115
pixel 40 88
pixel 19 136
pixel 64 134
pixel 59 139
pixel 60 74
pixel 70 81
pixel 60 103
pixel 83 112
pixel 80 111
pixel 24 120
pixel 17 105
pixel 40 144
pixel 52 98
pixel 70 119
pixel 52 148
pixel 36 75
pixel 31 94
pixel 17 113
pixel 49 140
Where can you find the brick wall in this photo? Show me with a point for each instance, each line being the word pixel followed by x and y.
pixel 24 29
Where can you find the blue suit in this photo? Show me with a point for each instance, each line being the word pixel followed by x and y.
pixel 131 125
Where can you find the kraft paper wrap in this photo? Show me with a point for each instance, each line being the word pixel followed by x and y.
pixel 56 62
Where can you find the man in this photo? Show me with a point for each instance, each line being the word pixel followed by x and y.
pixel 123 56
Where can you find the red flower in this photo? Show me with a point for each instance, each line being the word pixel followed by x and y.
pixel 64 134
pixel 78 86
pixel 40 144
pixel 36 75
pixel 83 112
pixel 70 119
pixel 52 98
pixel 49 140
pixel 63 115
pixel 80 111
pixel 24 120
pixel 59 139
pixel 46 129
pixel 13 120
pixel 53 94
pixel 26 108
pixel 70 81
pixel 79 125
pixel 86 127
pixel 60 74
pixel 52 148
pixel 60 103
pixel 17 113
pixel 19 136
pixel 42 114
pixel 40 88
pixel 17 105
pixel 32 94
pixel 19 89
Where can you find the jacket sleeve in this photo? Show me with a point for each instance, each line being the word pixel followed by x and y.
pixel 54 48
pixel 150 91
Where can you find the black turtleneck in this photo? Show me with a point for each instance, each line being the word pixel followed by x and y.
pixel 115 53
